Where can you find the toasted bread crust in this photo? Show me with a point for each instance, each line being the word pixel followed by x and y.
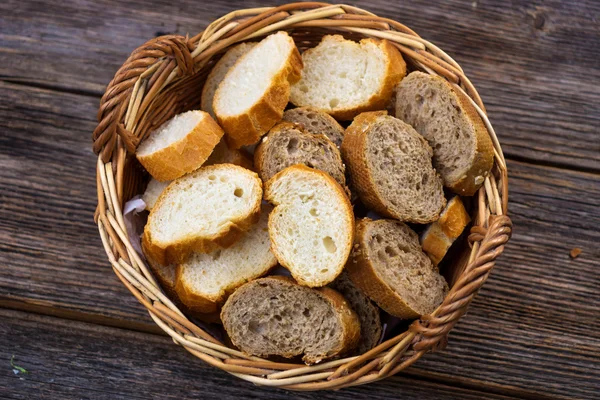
pixel 184 155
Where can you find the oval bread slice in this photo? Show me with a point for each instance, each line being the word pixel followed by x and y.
pixel 462 148
pixel 202 211
pixel 205 281
pixel 252 96
pixel 153 192
pixel 344 78
pixel 180 145
pixel 390 168
pixel 388 265
pixel 316 122
pixel 312 225
pixel 275 316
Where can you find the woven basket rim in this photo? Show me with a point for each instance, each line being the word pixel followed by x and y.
pixel 169 66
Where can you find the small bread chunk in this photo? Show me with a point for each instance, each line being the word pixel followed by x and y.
pixel 437 238
pixel 222 154
pixel 275 316
pixel 390 168
pixel 218 73
pixel 205 281
pixel 368 313
pixel 180 145
pixel 288 144
pixel 202 211
pixel 316 122
pixel 153 191
pixel 165 274
pixel 312 225
pixel 344 78
pixel 462 148
pixel 388 265
pixel 252 96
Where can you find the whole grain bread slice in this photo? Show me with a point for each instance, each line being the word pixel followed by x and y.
pixel 368 313
pixel 462 148
pixel 312 225
pixel 437 238
pixel 253 94
pixel 275 316
pixel 390 168
pixel 388 265
pixel 180 145
pixel 202 211
pixel 344 78
pixel 288 144
pixel 316 122
pixel 204 281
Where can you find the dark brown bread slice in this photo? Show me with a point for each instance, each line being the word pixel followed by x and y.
pixel 390 168
pixel 388 265
pixel 463 151
pixel 368 313
pixel 316 122
pixel 275 316
pixel 289 144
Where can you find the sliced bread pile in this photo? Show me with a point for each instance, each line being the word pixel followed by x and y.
pixel 214 238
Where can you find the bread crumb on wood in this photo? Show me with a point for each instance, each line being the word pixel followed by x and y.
pixel 575 252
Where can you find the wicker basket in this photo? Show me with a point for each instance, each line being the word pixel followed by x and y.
pixel 165 77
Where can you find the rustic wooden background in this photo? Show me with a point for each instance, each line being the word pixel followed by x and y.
pixel 534 330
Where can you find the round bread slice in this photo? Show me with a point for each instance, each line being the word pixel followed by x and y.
pixel 312 225
pixel 368 313
pixel 316 122
pixel 153 191
pixel 462 148
pixel 344 78
pixel 205 281
pixel 275 316
pixel 390 168
pixel 288 144
pixel 180 145
pixel 202 211
pixel 254 92
pixel 388 265
pixel 218 72
pixel 437 238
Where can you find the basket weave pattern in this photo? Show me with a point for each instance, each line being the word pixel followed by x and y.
pixel 165 76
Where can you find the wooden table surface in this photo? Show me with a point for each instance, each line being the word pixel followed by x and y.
pixel 534 330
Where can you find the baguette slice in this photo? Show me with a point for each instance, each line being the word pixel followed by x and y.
pixel 275 316
pixel 388 265
pixel 202 211
pixel 462 148
pixel 153 191
pixel 344 78
pixel 165 274
pixel 218 73
pixel 437 238
pixel 205 281
pixel 312 225
pixel 390 168
pixel 180 145
pixel 252 96
pixel 316 122
pixel 368 313
pixel 288 144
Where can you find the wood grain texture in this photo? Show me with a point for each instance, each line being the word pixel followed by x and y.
pixel 533 331
pixel 75 360
pixel 534 62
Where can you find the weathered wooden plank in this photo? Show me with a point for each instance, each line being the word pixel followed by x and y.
pixel 533 62
pixel 534 329
pixel 75 360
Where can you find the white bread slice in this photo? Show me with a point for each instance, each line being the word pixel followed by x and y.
pixel 462 148
pixel 437 238
pixel 344 78
pixel 218 73
pixel 275 316
pixel 180 145
pixel 252 96
pixel 202 211
pixel 153 191
pixel 205 281
pixel 312 225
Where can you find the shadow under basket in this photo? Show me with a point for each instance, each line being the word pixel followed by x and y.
pixel 164 77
